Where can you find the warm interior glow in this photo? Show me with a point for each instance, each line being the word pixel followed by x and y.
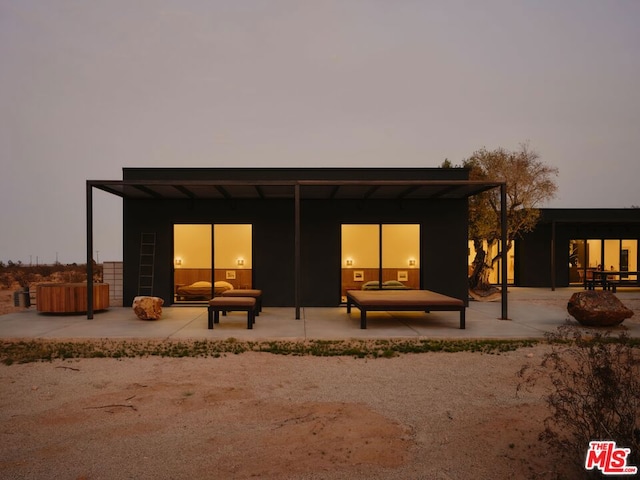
pixel 361 242
pixel 232 244
pixel 365 246
pixel 494 276
pixel 192 245
pixel 399 243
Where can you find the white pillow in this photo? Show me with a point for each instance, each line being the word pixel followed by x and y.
pixel 222 284
pixel 201 284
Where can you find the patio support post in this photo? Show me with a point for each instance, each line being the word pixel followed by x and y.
pixel 89 250
pixel 553 256
pixel 380 256
pixel 213 260
pixel 297 250
pixel 503 221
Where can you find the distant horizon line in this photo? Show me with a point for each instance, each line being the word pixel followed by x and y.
pixel 48 264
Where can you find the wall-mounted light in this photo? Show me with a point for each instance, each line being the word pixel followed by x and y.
pixel 349 262
pixel 177 261
pixel 412 262
pixel 240 262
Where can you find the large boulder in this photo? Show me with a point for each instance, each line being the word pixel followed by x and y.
pixel 597 308
pixel 148 308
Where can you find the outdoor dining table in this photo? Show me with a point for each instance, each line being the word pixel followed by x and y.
pixel 610 279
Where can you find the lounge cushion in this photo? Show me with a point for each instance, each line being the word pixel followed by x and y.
pixel 391 298
pixel 232 302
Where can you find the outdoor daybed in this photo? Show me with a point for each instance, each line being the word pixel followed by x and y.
pixel 402 300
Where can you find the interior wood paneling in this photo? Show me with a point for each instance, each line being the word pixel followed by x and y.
pixel 187 276
pixel 243 277
pixel 371 274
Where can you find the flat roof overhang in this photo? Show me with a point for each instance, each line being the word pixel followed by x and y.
pixel 296 191
pixel 309 189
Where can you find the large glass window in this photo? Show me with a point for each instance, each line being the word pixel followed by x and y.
pixel 232 254
pixel 376 253
pixel 611 255
pixel 629 257
pixel 594 254
pixel 577 261
pixel 588 255
pixel 194 246
pixel 493 250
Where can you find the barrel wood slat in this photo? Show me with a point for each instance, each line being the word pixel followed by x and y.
pixel 70 297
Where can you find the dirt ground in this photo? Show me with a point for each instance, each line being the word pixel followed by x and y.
pixel 257 415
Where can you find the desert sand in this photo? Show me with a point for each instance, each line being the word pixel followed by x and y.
pixel 258 415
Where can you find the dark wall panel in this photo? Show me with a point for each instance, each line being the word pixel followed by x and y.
pixel 443 229
pixel 320 255
pixel 444 249
pixel 533 258
pixel 273 241
pixel 273 261
pixel 533 252
pixel 443 242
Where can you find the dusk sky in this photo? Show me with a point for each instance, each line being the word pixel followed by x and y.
pixel 88 88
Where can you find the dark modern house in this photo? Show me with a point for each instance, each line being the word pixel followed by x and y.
pixel 301 235
pixel 569 245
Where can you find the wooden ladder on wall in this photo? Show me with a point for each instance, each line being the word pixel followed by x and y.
pixel 147 261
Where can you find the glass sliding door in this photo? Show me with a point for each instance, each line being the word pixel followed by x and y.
pixel 611 255
pixel 577 261
pixel 233 255
pixel 401 255
pixel 492 251
pixel 200 249
pixel 629 258
pixel 378 256
pixel 594 255
pixel 192 262
pixel 360 256
pixel 586 256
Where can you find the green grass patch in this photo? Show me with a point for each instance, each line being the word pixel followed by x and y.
pixel 12 352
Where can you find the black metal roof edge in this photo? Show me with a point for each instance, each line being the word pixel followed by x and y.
pixel 118 187
pixel 318 182
pixel 590 215
pixel 295 173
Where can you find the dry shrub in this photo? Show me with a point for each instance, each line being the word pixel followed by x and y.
pixel 16 275
pixel 594 383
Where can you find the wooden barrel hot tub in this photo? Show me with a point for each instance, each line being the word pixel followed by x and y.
pixel 70 297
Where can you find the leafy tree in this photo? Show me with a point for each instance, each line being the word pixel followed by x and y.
pixel 529 184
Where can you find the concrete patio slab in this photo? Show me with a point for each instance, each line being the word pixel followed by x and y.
pixel 532 313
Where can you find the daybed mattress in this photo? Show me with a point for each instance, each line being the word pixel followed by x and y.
pixel 391 298
pixel 402 300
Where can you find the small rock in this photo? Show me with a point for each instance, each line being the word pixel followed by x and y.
pixel 597 308
pixel 148 308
